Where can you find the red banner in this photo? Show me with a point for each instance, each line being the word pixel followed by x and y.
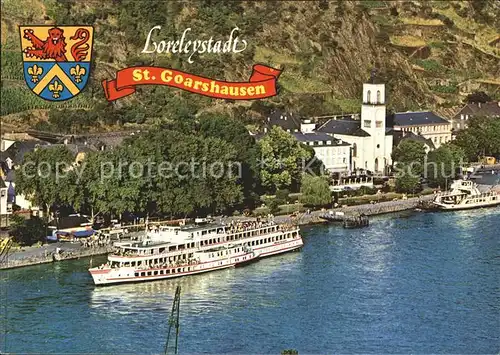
pixel 262 83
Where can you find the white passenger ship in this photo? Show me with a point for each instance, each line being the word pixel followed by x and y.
pixel 465 194
pixel 171 252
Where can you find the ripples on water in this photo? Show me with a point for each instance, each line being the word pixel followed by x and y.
pixel 421 283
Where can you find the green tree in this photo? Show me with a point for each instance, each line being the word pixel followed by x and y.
pixel 480 138
pixel 409 157
pixel 283 196
pixel 27 232
pixel 408 183
pixel 43 176
pixel 315 191
pixel 247 152
pixel 410 153
pixel 282 160
pixel 443 165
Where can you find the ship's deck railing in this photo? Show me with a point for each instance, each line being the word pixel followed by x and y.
pixel 237 228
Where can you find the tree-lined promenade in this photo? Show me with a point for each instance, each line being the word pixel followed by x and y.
pixel 211 165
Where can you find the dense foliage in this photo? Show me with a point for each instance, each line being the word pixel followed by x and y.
pixel 196 166
pixel 327 47
pixel 282 160
pixel 42 176
pixel 26 232
pixel 315 191
pixel 481 138
pixel 444 165
pixel 409 157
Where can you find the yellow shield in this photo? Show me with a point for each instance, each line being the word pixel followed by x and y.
pixel 56 59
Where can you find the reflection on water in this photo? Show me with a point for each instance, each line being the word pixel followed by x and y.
pixel 466 219
pixel 213 289
pixel 421 282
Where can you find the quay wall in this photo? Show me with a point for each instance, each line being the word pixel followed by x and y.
pixel 15 259
pixel 367 209
pixel 35 256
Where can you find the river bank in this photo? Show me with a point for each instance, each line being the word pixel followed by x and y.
pixel 427 284
pixel 44 254
pixel 368 209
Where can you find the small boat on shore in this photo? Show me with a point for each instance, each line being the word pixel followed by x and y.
pixel 356 221
pixel 465 194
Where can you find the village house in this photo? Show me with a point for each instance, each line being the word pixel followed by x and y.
pixel 424 123
pixel 400 136
pixel 11 157
pixel 286 120
pixel 333 153
pixel 487 109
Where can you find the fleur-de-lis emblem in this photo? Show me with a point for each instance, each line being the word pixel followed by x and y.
pixel 77 71
pixel 35 71
pixel 55 88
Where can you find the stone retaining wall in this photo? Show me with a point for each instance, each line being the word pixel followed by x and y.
pixel 64 255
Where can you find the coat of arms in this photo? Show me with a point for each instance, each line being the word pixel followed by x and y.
pixel 56 59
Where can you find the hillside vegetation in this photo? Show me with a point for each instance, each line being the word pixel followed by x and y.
pixel 429 53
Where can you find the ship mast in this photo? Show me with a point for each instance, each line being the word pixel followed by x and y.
pixel 173 321
pixel 4 249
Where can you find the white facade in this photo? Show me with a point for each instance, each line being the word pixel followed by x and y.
pixel 334 154
pixel 334 158
pixel 3 200
pixel 21 200
pixel 307 127
pixel 438 133
pixel 5 144
pixel 372 152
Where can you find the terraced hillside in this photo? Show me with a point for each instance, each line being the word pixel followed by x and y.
pixel 430 53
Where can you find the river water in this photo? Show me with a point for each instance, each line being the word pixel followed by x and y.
pixel 418 282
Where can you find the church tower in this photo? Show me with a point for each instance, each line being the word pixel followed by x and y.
pixel 373 112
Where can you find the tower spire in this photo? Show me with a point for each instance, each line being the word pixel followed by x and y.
pixel 372 75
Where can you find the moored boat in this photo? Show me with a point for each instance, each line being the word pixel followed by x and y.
pixel 360 221
pixel 465 194
pixel 168 252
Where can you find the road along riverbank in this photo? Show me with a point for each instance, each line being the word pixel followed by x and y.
pixel 45 254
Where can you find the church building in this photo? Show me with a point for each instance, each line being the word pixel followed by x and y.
pixel 371 141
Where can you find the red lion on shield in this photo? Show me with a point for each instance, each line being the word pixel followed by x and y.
pixel 54 47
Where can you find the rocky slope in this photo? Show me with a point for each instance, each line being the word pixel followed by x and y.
pixel 430 53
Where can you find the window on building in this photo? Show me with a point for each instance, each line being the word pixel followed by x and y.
pixel 354 150
pixel 367 123
pixel 368 96
pixel 320 142
pixel 379 101
pixel 378 146
pixel 379 124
